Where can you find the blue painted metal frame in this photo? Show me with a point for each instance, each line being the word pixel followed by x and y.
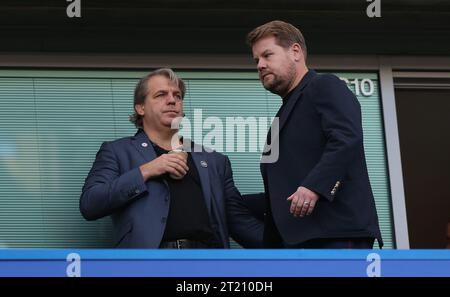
pixel 225 263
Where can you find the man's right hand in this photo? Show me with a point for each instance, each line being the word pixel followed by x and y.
pixel 166 163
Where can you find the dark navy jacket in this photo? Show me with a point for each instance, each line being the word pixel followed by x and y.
pixel 139 209
pixel 321 148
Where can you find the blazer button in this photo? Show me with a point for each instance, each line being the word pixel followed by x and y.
pixel 137 191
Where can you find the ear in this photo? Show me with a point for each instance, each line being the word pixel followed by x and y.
pixel 139 109
pixel 297 52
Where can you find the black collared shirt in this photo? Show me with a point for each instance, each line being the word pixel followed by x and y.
pixel 188 215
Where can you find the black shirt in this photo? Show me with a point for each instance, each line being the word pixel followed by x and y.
pixel 188 215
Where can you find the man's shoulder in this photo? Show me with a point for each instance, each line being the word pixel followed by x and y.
pixel 327 79
pixel 119 141
pixel 327 84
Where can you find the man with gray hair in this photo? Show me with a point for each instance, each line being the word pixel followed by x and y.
pixel 160 190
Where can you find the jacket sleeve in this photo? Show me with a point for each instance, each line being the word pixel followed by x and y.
pixel 106 189
pixel 243 226
pixel 340 115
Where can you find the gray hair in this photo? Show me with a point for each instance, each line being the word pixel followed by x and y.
pixel 141 91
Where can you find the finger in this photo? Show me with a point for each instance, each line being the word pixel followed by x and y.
pixel 172 169
pixel 311 208
pixel 174 156
pixel 290 197
pixel 177 157
pixel 180 163
pixel 183 164
pixel 175 173
pixel 305 207
pixel 179 170
pixel 294 201
pixel 298 207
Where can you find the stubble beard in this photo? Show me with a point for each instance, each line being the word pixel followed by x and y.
pixel 280 85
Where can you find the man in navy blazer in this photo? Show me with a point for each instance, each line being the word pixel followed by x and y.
pixel 317 192
pixel 159 199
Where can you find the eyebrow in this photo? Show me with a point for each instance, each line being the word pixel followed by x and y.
pixel 160 91
pixel 165 91
pixel 263 53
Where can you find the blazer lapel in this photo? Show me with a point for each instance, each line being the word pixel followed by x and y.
pixel 294 98
pixel 284 112
pixel 144 146
pixel 201 163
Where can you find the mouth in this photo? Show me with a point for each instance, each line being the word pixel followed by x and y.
pixel 171 112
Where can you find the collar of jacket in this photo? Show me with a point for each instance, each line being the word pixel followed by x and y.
pixel 301 85
pixel 293 97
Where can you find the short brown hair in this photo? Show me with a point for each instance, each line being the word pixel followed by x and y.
pixel 285 34
pixel 141 91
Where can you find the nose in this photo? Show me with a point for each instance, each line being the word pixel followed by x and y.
pixel 171 99
pixel 261 65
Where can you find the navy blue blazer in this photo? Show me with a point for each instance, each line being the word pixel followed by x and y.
pixel 115 187
pixel 321 148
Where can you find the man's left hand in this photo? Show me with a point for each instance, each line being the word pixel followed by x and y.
pixel 303 202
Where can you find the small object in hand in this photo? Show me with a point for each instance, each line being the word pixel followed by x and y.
pixel 182 153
